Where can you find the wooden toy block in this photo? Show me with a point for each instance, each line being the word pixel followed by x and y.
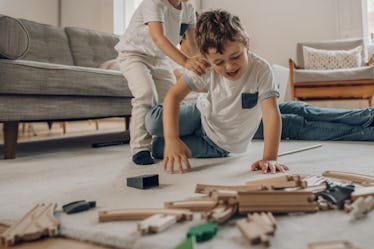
pixel 361 207
pixel 365 180
pixel 257 227
pixel 220 214
pixel 143 181
pixel 142 213
pixel 38 222
pixel 156 223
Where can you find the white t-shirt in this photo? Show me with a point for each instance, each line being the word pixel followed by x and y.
pixel 137 37
pixel 231 111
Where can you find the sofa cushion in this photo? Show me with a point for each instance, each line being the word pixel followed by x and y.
pixel 14 39
pixel 38 78
pixel 91 48
pixel 47 44
pixel 359 73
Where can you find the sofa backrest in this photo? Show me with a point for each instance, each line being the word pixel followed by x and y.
pixel 91 48
pixel 28 40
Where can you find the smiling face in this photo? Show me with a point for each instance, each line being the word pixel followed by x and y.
pixel 232 62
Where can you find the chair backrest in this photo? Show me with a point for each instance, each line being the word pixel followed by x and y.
pixel 344 44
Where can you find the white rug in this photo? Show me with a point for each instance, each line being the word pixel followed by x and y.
pixel 68 170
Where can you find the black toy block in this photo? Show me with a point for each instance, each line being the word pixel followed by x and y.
pixel 143 181
pixel 78 206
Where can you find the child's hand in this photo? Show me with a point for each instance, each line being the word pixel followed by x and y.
pixel 197 64
pixel 176 152
pixel 271 166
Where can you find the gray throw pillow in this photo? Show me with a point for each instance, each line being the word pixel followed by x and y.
pixel 14 39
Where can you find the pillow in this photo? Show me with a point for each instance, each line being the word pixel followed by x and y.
pixel 14 38
pixel 319 59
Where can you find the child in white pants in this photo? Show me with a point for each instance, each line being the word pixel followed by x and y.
pixel 152 36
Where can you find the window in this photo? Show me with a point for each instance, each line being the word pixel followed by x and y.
pixel 122 12
pixel 370 19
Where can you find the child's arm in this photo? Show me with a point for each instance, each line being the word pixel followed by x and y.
pixel 272 133
pixel 196 64
pixel 175 151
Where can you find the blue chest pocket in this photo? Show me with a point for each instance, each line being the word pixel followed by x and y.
pixel 249 100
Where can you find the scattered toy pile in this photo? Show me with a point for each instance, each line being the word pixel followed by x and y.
pixel 255 199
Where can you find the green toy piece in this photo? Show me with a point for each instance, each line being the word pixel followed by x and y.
pixel 189 243
pixel 203 232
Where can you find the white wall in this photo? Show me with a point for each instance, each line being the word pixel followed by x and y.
pixel 93 14
pixel 44 11
pixel 276 26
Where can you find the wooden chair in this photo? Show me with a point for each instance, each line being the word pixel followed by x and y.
pixel 341 84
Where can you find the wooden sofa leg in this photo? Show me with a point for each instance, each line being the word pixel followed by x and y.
pixel 10 131
pixel 127 122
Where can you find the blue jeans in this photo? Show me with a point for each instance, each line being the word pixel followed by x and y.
pixel 301 121
pixel 190 131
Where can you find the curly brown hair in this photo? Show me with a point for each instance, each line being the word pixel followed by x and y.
pixel 214 28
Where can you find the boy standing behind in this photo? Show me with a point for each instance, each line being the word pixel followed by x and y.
pixel 240 90
pixel 152 36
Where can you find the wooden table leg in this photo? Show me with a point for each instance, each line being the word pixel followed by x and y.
pixel 10 130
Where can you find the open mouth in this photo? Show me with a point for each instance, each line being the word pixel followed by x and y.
pixel 233 73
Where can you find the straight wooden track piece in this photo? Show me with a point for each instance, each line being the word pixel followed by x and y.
pixel 206 189
pixel 193 204
pixel 365 180
pixel 225 196
pixel 156 223
pixel 339 244
pixel 279 182
pixel 277 201
pixel 142 213
pixel 38 222
pixel 362 192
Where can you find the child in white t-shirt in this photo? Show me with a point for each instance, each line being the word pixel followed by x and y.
pixel 144 50
pixel 240 91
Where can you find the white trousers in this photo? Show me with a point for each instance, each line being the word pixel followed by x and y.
pixel 148 79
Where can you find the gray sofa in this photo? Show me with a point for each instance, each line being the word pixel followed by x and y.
pixel 52 74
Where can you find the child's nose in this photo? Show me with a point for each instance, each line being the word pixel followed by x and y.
pixel 229 66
